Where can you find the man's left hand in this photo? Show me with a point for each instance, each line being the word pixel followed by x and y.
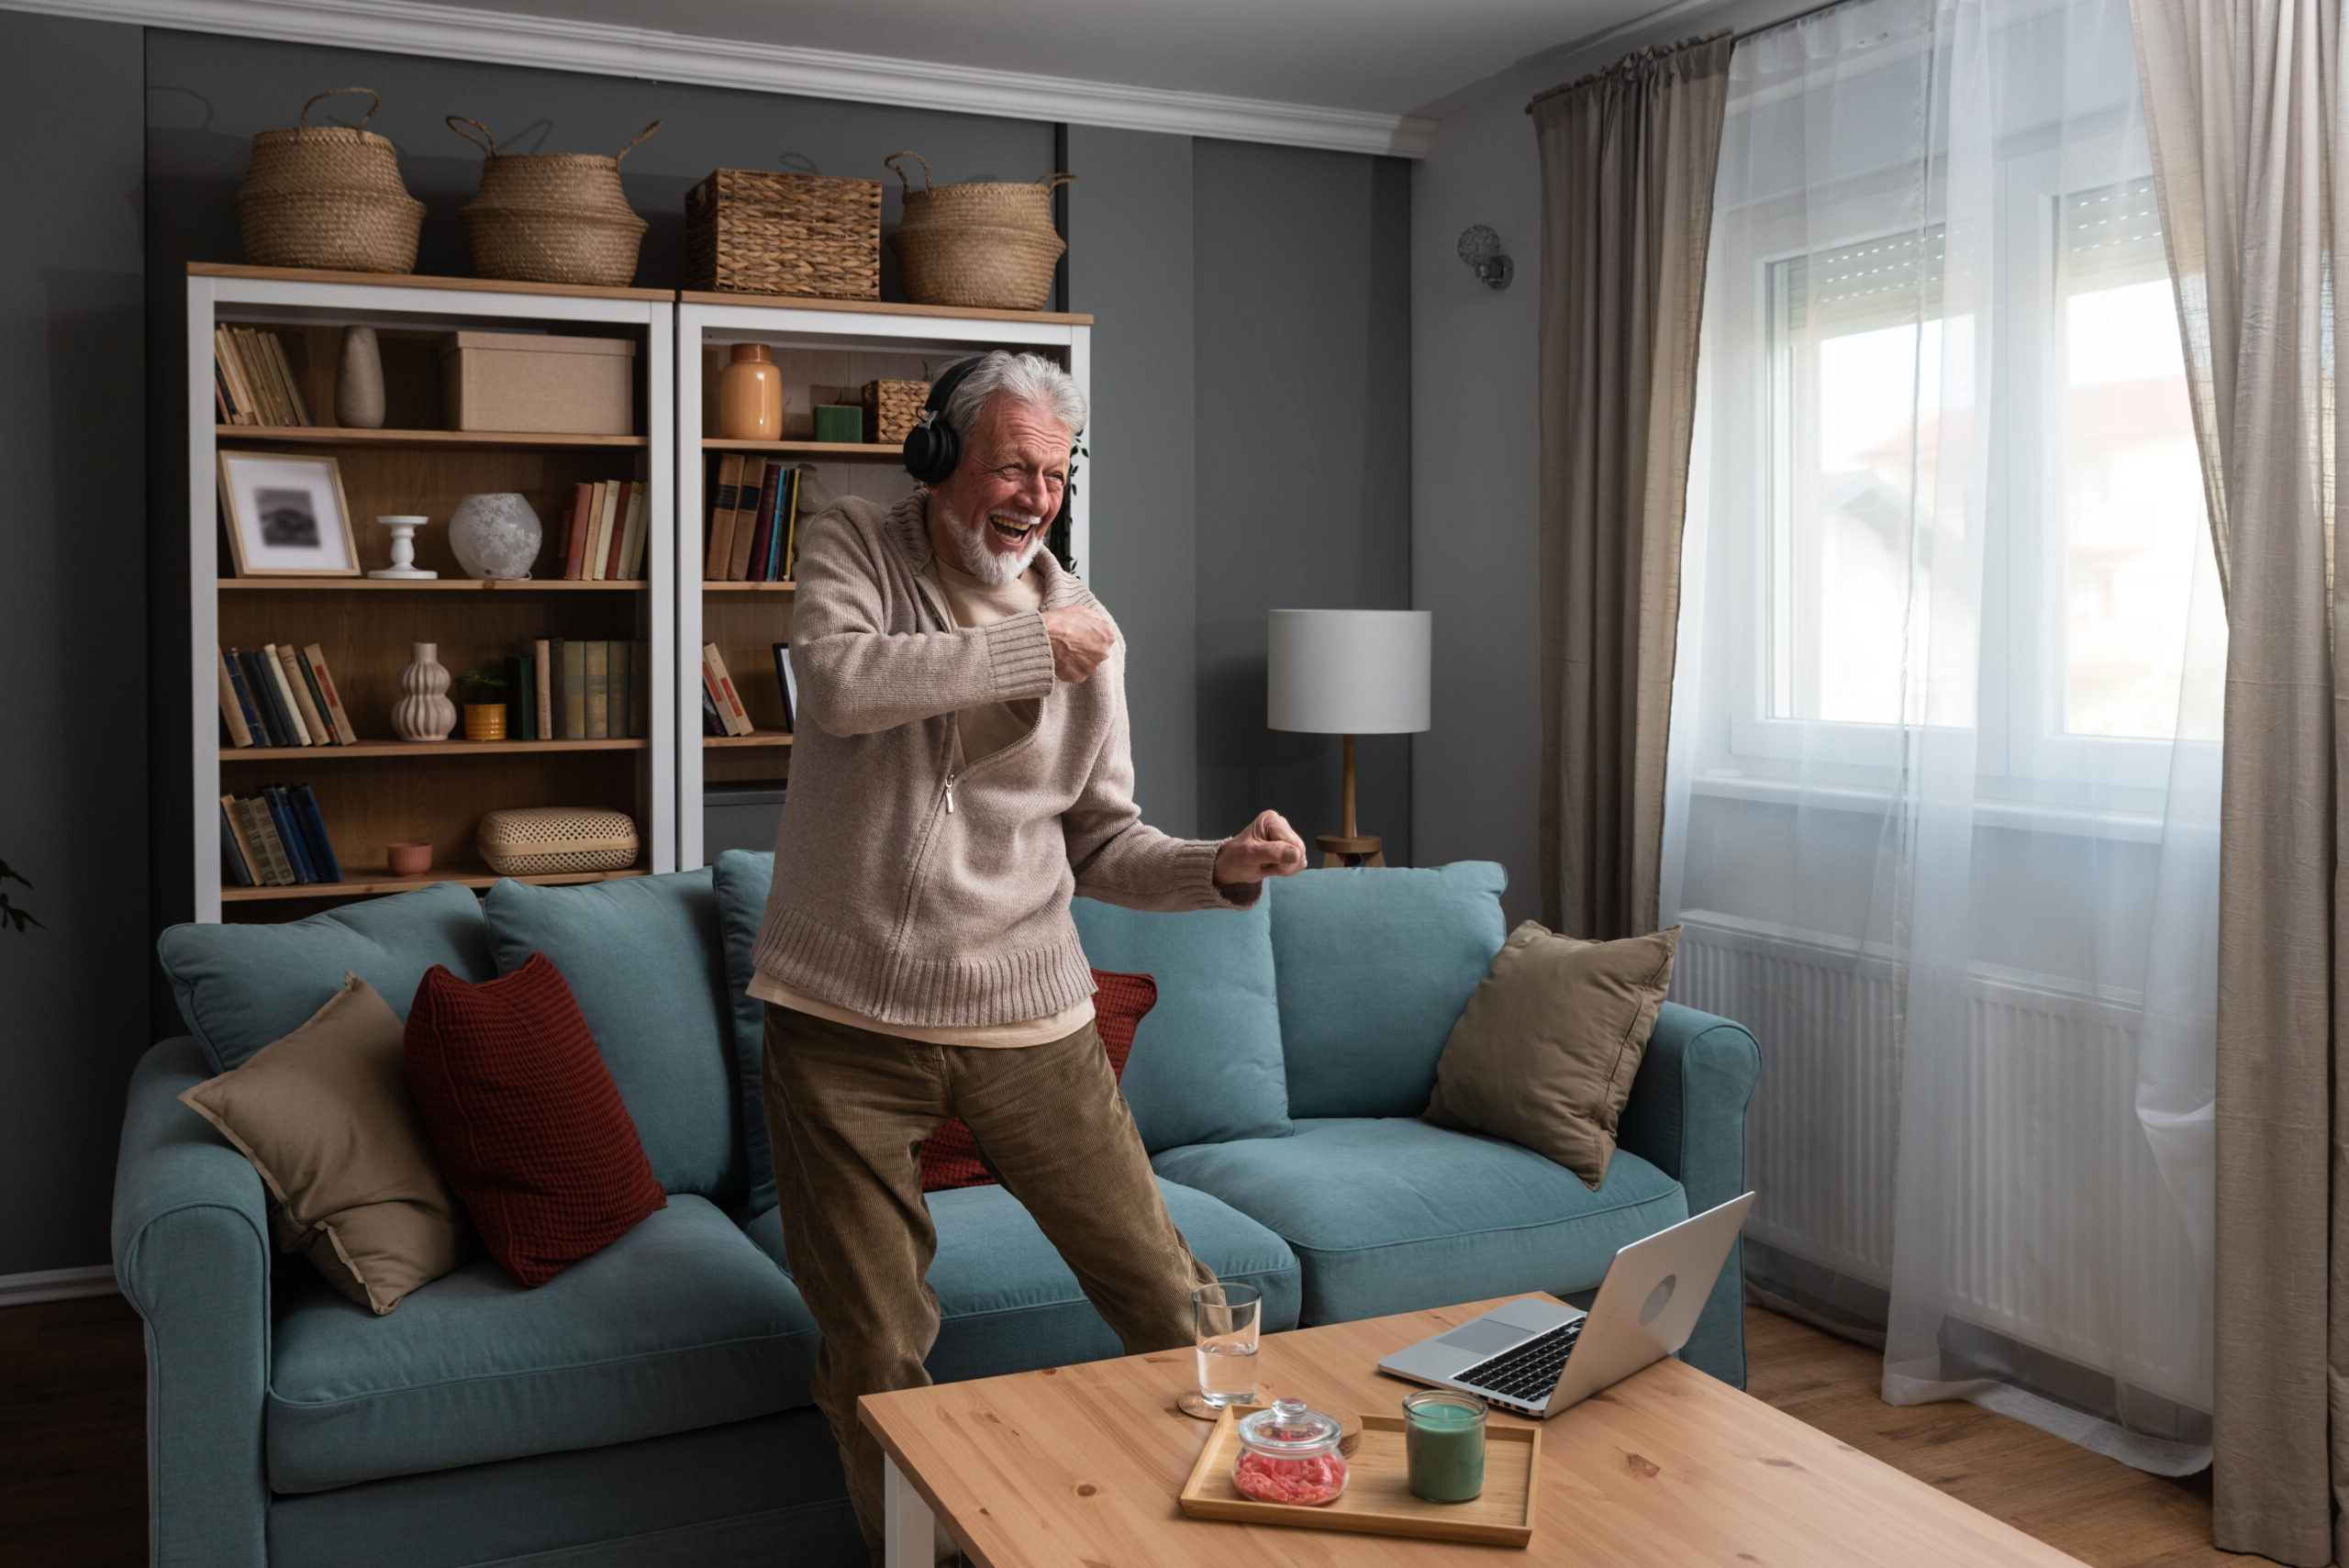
pixel 1266 847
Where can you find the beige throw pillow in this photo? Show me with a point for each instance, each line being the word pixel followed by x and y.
pixel 325 1116
pixel 1545 1053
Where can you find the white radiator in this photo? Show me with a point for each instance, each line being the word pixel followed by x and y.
pixel 2060 1234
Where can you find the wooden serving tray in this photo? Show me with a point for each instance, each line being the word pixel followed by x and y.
pixel 1377 1499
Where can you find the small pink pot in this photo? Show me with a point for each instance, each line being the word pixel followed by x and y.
pixel 408 860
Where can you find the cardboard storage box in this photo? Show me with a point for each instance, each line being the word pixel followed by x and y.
pixel 523 382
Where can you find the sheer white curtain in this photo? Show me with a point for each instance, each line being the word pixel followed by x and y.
pixel 1942 797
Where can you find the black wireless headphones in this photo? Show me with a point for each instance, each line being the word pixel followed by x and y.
pixel 933 446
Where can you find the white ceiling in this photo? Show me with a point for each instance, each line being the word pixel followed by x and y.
pixel 1383 56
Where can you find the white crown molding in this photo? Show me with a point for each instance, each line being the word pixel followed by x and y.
pixel 504 39
pixel 55 1284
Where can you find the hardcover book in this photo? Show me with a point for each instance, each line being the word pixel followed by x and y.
pixel 232 713
pixel 597 670
pixel 315 659
pixel 746 517
pixel 543 658
pixel 314 833
pixel 721 517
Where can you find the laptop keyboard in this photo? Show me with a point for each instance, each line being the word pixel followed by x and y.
pixel 1527 1374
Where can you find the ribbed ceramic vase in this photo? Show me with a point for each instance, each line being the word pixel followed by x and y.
pixel 424 711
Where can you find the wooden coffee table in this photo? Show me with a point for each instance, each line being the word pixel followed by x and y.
pixel 1078 1467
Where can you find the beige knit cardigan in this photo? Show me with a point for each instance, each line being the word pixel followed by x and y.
pixel 910 894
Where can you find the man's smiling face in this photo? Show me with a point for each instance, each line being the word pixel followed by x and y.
pixel 989 516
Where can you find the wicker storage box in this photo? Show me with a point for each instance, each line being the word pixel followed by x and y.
pixel 892 407
pixel 980 244
pixel 536 840
pixel 520 382
pixel 749 231
pixel 328 196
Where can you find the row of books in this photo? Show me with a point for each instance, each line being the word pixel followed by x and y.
pixel 603 532
pixel 722 712
pixel 275 838
pixel 272 695
pixel 566 689
pixel 253 381
pixel 753 535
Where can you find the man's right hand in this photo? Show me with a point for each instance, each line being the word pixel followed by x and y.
pixel 1082 638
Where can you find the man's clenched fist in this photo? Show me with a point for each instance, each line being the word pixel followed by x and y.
pixel 1082 637
pixel 1266 847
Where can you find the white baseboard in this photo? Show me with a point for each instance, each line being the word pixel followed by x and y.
pixel 56 1284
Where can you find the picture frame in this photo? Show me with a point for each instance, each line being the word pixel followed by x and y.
pixel 286 515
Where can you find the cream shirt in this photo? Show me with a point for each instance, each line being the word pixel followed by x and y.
pixel 982 731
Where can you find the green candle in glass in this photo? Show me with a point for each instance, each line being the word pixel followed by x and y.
pixel 1443 1444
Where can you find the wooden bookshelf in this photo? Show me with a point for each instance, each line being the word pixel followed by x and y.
pixel 433 584
pixel 367 882
pixel 383 790
pixel 826 351
pixel 867 449
pixel 336 435
pixel 369 751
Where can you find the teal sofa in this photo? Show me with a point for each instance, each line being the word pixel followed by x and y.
pixel 649 1406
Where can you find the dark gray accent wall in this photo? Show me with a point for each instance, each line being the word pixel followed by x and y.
pixel 72 656
pixel 1304 375
pixel 1130 236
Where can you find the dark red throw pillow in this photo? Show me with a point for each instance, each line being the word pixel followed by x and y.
pixel 525 1119
pixel 950 1157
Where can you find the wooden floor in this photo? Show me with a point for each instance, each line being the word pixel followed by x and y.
pixel 73 1454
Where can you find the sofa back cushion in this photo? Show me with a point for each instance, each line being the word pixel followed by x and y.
pixel 641 957
pixel 741 878
pixel 1375 965
pixel 239 988
pixel 1206 1066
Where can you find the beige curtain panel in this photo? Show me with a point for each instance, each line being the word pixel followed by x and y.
pixel 2243 110
pixel 1628 159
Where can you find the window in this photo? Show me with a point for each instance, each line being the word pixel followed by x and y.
pixel 2092 508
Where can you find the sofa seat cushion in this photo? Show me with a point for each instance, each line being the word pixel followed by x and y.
pixel 1007 1303
pixel 1391 1214
pixel 679 1324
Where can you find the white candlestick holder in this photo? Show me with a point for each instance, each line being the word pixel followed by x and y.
pixel 404 567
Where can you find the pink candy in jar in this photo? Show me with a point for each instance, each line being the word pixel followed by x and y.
pixel 1289 1454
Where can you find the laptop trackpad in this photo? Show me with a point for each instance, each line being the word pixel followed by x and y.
pixel 1483 1337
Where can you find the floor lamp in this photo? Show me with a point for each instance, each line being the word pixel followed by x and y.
pixel 1348 672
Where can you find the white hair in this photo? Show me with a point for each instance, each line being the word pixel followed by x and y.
pixel 1024 378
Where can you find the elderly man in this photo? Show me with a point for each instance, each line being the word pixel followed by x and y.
pixel 962 770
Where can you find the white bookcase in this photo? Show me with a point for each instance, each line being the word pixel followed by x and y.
pixel 827 350
pixel 385 790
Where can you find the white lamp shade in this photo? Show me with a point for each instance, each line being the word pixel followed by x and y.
pixel 1349 672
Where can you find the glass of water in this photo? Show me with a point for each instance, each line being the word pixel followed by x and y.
pixel 1229 1319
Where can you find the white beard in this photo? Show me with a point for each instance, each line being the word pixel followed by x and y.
pixel 983 562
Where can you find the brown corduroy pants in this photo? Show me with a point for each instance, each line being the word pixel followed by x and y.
pixel 846 1109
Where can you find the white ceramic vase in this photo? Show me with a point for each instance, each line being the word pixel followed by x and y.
pixel 496 536
pixel 424 711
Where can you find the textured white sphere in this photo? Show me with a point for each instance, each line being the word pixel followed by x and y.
pixel 494 536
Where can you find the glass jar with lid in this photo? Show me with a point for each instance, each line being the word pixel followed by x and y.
pixel 1289 1454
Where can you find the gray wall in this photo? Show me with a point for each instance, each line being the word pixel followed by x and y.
pixel 72 768
pixel 1303 461
pixel 1130 234
pixel 1475 478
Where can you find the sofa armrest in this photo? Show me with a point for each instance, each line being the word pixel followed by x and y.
pixel 1686 1116
pixel 191 1254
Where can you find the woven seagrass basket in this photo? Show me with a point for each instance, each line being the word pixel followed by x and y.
pixel 532 840
pixel 979 244
pixel 892 407
pixel 750 231
pixel 552 217
pixel 328 196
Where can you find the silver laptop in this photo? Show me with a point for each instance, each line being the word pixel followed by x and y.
pixel 1535 1357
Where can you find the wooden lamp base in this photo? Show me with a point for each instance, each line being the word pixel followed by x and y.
pixel 1350 848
